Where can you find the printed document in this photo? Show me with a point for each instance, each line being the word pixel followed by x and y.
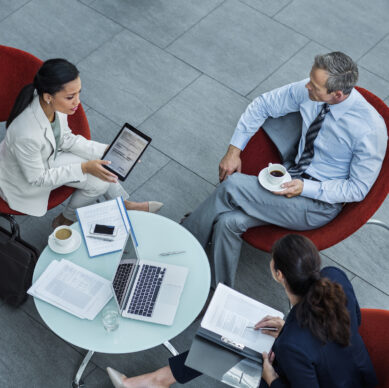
pixel 72 288
pixel 230 313
pixel 112 213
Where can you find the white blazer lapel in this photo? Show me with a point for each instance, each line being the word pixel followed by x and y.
pixel 43 121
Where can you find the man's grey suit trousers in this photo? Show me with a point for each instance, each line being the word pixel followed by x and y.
pixel 240 203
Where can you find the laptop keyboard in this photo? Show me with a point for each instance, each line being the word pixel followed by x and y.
pixel 121 277
pixel 146 291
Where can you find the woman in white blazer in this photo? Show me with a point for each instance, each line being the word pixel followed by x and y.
pixel 40 153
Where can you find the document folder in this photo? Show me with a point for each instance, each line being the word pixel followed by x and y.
pixel 229 344
pixel 223 364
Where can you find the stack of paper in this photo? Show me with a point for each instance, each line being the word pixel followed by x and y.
pixel 108 213
pixel 73 289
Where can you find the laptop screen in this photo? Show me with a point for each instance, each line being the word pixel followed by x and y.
pixel 126 271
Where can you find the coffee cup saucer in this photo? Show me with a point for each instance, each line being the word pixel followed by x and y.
pixel 262 178
pixel 73 244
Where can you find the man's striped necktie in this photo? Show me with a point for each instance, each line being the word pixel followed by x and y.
pixel 312 132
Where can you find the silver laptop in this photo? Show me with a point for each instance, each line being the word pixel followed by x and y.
pixel 147 290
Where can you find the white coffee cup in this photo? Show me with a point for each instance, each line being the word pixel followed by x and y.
pixel 62 235
pixel 276 173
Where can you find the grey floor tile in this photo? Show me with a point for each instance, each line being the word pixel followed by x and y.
pixel 36 230
pixel 255 280
pixel 376 60
pixel 168 19
pixel 387 101
pixel 327 262
pixel 128 78
pixel 104 131
pixel 382 213
pixel 34 29
pixel 238 54
pixel 373 83
pixel 268 7
pixel 178 188
pixel 369 296
pixel 295 69
pixel 365 253
pixel 7 7
pixel 97 378
pixel 338 26
pixel 34 356
pixel 87 2
pixel 197 138
pixel 29 308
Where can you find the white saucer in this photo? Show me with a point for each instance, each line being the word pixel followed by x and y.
pixel 73 245
pixel 262 177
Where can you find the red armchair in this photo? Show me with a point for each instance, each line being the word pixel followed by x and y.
pixel 375 333
pixel 260 151
pixel 17 69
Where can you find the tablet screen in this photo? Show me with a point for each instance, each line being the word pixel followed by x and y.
pixel 125 150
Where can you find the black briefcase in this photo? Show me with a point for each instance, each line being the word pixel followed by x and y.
pixel 17 263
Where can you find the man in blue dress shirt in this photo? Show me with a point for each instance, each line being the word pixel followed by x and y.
pixel 339 157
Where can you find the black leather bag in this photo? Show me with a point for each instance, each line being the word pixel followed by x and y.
pixel 17 263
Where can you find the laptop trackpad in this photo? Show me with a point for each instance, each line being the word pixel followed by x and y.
pixel 169 294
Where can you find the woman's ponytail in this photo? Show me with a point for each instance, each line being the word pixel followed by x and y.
pixel 323 311
pixel 322 307
pixel 23 99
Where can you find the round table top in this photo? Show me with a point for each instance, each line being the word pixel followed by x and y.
pixel 155 234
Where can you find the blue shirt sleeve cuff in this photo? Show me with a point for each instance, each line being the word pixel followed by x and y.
pixel 311 189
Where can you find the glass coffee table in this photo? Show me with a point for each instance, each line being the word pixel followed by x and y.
pixel 155 234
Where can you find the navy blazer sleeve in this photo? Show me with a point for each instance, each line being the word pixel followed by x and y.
pixel 298 367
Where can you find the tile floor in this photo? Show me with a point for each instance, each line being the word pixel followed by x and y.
pixel 184 71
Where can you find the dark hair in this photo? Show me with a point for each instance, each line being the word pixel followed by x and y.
pixel 322 307
pixel 50 78
pixel 342 71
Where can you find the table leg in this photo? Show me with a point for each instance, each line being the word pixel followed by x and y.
pixel 77 382
pixel 170 348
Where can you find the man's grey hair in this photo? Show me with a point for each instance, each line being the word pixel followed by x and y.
pixel 342 71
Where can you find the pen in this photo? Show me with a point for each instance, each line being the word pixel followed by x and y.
pixel 263 328
pixel 101 238
pixel 171 253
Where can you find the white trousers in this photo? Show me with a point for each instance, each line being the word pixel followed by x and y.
pixel 87 191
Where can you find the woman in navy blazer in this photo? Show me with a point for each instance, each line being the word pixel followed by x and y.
pixel 317 346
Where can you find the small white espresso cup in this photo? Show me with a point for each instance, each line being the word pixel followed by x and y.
pixel 62 235
pixel 276 173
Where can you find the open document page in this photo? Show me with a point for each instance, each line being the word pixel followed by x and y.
pixel 112 213
pixel 72 288
pixel 230 314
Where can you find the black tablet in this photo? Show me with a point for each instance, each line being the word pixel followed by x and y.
pixel 125 150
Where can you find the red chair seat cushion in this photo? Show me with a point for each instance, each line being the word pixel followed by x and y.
pixel 375 333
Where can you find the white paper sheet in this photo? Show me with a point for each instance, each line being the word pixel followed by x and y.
pixel 72 288
pixel 229 314
pixel 108 213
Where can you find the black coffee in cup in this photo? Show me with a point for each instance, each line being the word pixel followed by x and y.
pixel 276 173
